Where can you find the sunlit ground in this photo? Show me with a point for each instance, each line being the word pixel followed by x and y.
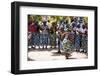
pixel 51 54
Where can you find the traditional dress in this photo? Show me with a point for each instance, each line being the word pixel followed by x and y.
pixel 77 39
pixel 52 37
pixel 68 41
pixel 31 31
pixel 66 44
pixel 84 40
pixel 71 37
pixel 44 35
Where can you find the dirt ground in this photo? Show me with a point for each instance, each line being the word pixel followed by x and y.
pixel 51 54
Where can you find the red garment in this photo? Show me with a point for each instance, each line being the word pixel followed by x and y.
pixel 32 28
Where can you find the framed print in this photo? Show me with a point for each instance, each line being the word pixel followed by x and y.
pixel 52 37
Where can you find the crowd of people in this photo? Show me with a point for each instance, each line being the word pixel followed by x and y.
pixel 70 32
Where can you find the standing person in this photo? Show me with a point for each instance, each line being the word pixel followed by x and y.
pixel 49 24
pixel 62 36
pixel 58 41
pixel 77 38
pixel 31 32
pixel 73 25
pixel 74 22
pixel 84 38
pixel 53 35
pixel 44 34
pixel 30 39
pixel 66 26
pixel 36 35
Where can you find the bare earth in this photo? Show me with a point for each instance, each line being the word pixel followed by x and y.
pixel 51 55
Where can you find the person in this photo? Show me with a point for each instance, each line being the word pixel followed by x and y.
pixel 71 37
pixel 66 43
pixel 31 27
pixel 52 35
pixel 35 35
pixel 84 38
pixel 66 25
pixel 77 38
pixel 31 36
pixel 62 35
pixel 44 35
pixel 30 39
pixel 74 22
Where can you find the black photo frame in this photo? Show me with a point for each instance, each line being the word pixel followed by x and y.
pixel 15 37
